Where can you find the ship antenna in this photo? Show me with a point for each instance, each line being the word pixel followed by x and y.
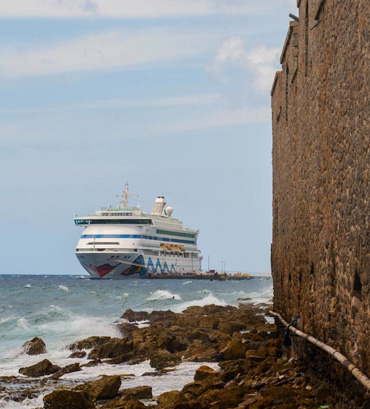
pixel 126 195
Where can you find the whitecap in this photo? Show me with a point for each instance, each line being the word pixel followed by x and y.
pixel 22 323
pixel 25 404
pixel 63 288
pixel 210 299
pixel 163 295
pixel 28 286
pixel 187 282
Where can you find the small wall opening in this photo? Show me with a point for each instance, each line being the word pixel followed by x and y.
pixel 306 40
pixel 312 269
pixel 357 286
pixel 286 92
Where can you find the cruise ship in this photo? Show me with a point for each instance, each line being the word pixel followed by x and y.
pixel 126 242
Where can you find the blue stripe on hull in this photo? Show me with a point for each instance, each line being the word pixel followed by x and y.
pixel 133 236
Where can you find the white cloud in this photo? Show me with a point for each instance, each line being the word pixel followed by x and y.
pixel 119 49
pixel 135 8
pixel 122 103
pixel 219 118
pixel 261 62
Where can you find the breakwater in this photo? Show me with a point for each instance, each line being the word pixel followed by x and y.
pixel 321 176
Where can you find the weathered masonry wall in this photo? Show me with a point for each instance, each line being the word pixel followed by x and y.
pixel 321 175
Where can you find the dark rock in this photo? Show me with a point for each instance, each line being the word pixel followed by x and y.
pixel 126 329
pixel 94 362
pixel 42 368
pixel 78 354
pixel 134 316
pixel 121 358
pixel 169 398
pixel 205 372
pixel 140 392
pixel 67 369
pixel 125 402
pixel 235 350
pixel 163 359
pixel 223 398
pixel 105 388
pixel 68 400
pixel 34 347
pixel 111 348
pixel 88 343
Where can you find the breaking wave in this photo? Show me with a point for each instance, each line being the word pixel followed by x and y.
pixel 209 299
pixel 163 295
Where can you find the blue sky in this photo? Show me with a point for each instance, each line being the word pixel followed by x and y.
pixel 169 95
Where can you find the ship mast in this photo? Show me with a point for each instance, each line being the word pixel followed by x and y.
pixel 126 195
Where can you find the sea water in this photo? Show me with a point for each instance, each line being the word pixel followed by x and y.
pixel 64 309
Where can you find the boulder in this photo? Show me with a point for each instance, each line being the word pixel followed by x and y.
pixel 204 372
pixel 94 362
pixel 162 316
pixel 134 316
pixel 67 369
pixel 220 398
pixel 112 348
pixel 42 368
pixel 169 398
pixel 105 388
pixel 235 350
pixel 78 354
pixel 126 329
pixel 194 389
pixel 125 402
pixel 68 400
pixel 140 392
pixel 163 359
pixel 34 347
pixel 88 343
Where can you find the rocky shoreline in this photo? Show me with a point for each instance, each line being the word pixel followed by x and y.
pixel 254 370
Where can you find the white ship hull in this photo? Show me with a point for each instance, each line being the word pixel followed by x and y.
pixel 127 242
pixel 124 265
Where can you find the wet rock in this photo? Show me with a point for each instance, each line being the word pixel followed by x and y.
pixel 111 348
pixel 67 369
pixel 235 350
pixel 126 329
pixel 163 359
pixel 105 388
pixel 78 354
pixel 88 343
pixel 162 316
pixel 94 362
pixel 169 398
pixel 220 398
pixel 125 402
pixel 205 372
pixel 140 392
pixel 134 316
pixel 35 346
pixel 122 358
pixel 42 368
pixel 68 400
pixel 194 389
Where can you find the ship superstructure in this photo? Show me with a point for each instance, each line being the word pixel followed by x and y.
pixel 127 242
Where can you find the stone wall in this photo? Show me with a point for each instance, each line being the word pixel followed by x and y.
pixel 321 175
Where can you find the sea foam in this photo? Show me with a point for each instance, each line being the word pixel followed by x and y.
pixel 163 295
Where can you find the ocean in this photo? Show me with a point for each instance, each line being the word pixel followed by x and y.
pixel 64 309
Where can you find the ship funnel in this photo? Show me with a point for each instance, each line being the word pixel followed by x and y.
pixel 159 205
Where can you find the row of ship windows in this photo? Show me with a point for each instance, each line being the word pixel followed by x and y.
pixel 176 233
pixel 112 221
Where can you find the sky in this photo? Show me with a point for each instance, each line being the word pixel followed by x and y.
pixel 171 96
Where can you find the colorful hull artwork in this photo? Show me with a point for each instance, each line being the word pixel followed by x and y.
pixel 103 270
